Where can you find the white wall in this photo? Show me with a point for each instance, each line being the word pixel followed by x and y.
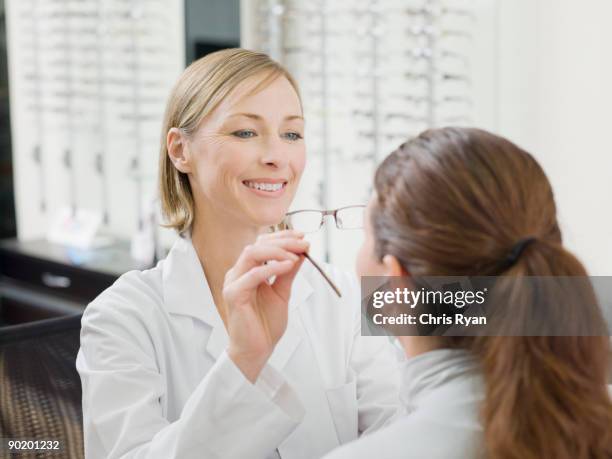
pixel 555 100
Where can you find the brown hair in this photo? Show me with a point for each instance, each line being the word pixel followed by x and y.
pixel 454 202
pixel 198 91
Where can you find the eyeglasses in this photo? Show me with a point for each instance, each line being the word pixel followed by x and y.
pixel 310 221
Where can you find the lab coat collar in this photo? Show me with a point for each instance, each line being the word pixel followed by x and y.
pixel 186 292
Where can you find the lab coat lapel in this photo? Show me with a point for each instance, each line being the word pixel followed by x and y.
pixel 300 291
pixel 186 292
pixel 316 433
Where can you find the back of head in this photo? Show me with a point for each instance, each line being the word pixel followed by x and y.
pixel 455 202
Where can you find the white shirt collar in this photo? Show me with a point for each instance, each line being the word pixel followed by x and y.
pixel 430 370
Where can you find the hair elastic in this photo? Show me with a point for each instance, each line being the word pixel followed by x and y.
pixel 518 249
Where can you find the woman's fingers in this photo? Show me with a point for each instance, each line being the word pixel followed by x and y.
pixel 274 249
pixel 296 246
pixel 280 235
pixel 283 282
pixel 256 276
pixel 255 255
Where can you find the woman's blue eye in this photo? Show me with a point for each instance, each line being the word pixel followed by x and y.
pixel 293 136
pixel 243 134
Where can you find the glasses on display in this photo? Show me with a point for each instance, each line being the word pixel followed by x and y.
pixel 360 80
pixel 310 221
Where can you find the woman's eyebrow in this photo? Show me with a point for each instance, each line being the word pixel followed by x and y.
pixel 257 117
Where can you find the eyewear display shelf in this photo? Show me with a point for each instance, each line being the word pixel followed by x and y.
pixel 39 280
pixel 372 74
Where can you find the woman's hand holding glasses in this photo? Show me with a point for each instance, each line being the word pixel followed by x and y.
pixel 257 309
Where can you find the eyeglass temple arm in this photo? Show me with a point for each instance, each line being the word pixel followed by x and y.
pixel 329 281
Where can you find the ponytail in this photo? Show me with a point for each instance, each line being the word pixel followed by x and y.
pixel 546 396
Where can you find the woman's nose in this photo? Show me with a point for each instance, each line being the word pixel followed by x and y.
pixel 275 154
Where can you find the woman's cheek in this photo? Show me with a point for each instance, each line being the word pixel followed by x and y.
pixel 299 162
pixel 367 263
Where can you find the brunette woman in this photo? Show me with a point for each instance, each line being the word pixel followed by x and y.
pixel 464 202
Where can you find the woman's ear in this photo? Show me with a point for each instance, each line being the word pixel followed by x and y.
pixel 392 267
pixel 178 150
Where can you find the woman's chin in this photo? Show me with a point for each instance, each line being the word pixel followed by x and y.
pixel 265 212
pixel 269 217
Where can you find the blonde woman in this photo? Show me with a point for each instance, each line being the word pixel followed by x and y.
pixel 202 356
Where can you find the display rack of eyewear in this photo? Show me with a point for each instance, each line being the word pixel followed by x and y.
pixel 89 81
pixel 372 74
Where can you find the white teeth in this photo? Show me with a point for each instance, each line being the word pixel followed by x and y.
pixel 265 186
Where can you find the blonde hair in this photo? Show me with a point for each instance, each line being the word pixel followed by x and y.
pixel 198 91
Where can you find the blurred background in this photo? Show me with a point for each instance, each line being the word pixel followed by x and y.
pixel 83 85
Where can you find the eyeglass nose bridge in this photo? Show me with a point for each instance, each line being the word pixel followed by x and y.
pixel 334 213
pixel 327 213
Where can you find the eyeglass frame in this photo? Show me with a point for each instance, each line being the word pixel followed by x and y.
pixel 324 213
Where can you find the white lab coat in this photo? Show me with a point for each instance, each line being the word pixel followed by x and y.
pixel 157 382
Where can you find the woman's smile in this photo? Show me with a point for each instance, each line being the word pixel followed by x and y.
pixel 266 187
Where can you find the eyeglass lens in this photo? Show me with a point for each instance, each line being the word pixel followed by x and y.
pixel 306 221
pixel 350 218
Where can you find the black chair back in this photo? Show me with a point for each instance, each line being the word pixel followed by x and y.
pixel 40 389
